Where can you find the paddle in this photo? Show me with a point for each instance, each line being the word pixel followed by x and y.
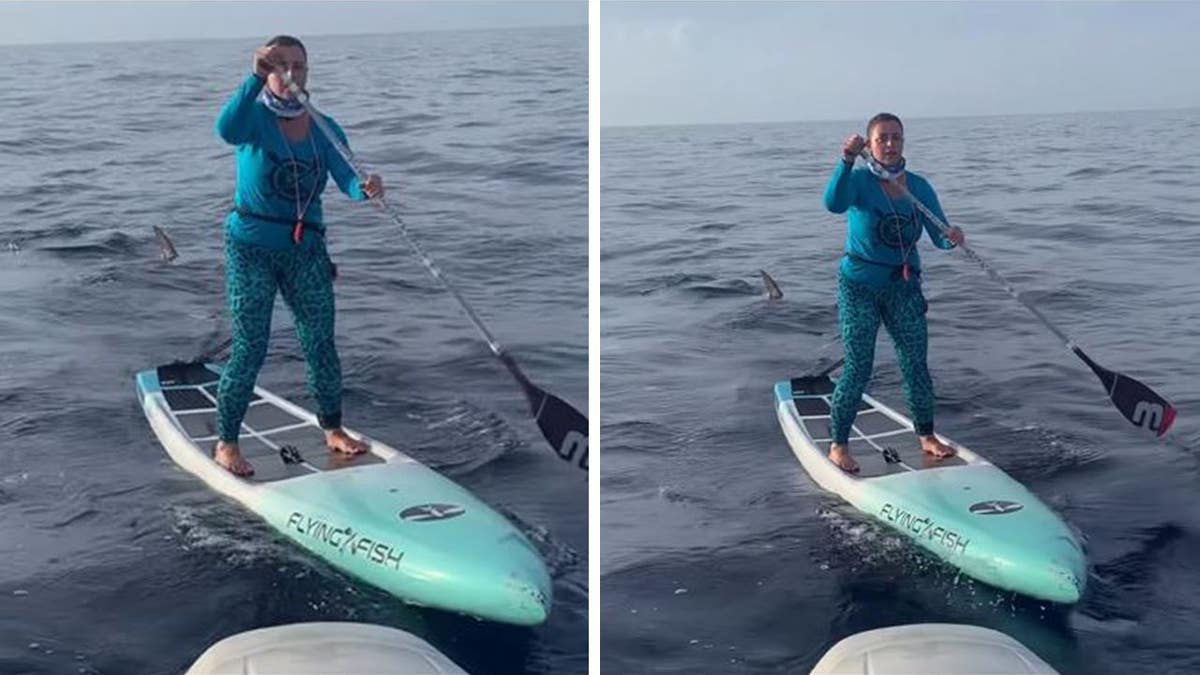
pixel 563 426
pixel 1139 404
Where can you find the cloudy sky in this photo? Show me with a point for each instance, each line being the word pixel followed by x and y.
pixel 102 21
pixel 677 63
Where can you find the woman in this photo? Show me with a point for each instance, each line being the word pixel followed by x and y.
pixel 274 242
pixel 879 279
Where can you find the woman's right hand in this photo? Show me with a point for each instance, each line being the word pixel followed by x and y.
pixel 265 61
pixel 853 145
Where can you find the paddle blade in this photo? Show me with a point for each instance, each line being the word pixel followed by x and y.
pixel 565 428
pixel 1141 405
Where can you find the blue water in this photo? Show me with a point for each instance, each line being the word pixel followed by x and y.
pixel 721 555
pixel 114 560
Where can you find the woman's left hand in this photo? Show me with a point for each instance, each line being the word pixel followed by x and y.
pixel 956 236
pixel 373 188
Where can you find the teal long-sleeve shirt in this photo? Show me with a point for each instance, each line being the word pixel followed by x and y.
pixel 267 179
pixel 882 232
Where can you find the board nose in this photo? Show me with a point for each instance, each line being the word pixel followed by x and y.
pixel 529 582
pixel 1068 568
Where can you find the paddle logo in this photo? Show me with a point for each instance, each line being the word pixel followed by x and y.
pixel 573 442
pixel 996 507
pixel 425 512
pixel 1148 414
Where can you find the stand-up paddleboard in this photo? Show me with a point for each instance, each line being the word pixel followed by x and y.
pixel 931 649
pixel 962 509
pixel 382 516
pixel 324 648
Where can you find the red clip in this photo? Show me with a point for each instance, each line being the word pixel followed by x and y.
pixel 298 233
pixel 906 275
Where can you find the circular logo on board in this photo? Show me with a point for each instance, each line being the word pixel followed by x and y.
pixel 996 507
pixel 425 512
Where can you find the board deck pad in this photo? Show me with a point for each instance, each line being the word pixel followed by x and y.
pixel 873 432
pixel 190 390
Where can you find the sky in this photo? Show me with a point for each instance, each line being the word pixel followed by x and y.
pixel 696 63
pixel 41 22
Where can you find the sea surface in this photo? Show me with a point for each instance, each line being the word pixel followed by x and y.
pixel 721 555
pixel 116 561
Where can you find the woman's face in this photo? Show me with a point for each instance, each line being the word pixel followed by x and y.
pixel 291 59
pixel 887 142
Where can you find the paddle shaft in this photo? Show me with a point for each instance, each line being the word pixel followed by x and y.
pixel 945 229
pixel 1141 405
pixel 563 426
pixel 387 208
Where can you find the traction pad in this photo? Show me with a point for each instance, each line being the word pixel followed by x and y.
pixel 191 392
pixel 877 442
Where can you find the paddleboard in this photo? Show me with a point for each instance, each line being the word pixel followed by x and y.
pixel 324 648
pixel 931 649
pixel 382 517
pixel 963 509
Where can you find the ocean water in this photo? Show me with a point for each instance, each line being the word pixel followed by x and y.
pixel 721 555
pixel 116 561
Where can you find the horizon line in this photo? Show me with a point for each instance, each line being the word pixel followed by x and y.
pixel 906 117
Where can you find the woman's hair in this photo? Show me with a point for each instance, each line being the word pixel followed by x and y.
pixel 289 41
pixel 880 119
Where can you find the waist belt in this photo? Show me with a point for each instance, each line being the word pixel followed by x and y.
pixel 898 271
pixel 290 222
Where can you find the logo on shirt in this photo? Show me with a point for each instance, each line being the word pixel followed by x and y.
pixel 896 230
pixel 285 176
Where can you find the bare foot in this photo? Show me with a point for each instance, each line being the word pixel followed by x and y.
pixel 229 456
pixel 939 450
pixel 339 441
pixel 840 455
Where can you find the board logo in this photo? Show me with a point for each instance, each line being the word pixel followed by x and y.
pixel 924 529
pixel 996 507
pixel 424 512
pixel 345 540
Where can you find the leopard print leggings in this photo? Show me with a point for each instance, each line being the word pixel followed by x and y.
pixel 901 308
pixel 253 277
